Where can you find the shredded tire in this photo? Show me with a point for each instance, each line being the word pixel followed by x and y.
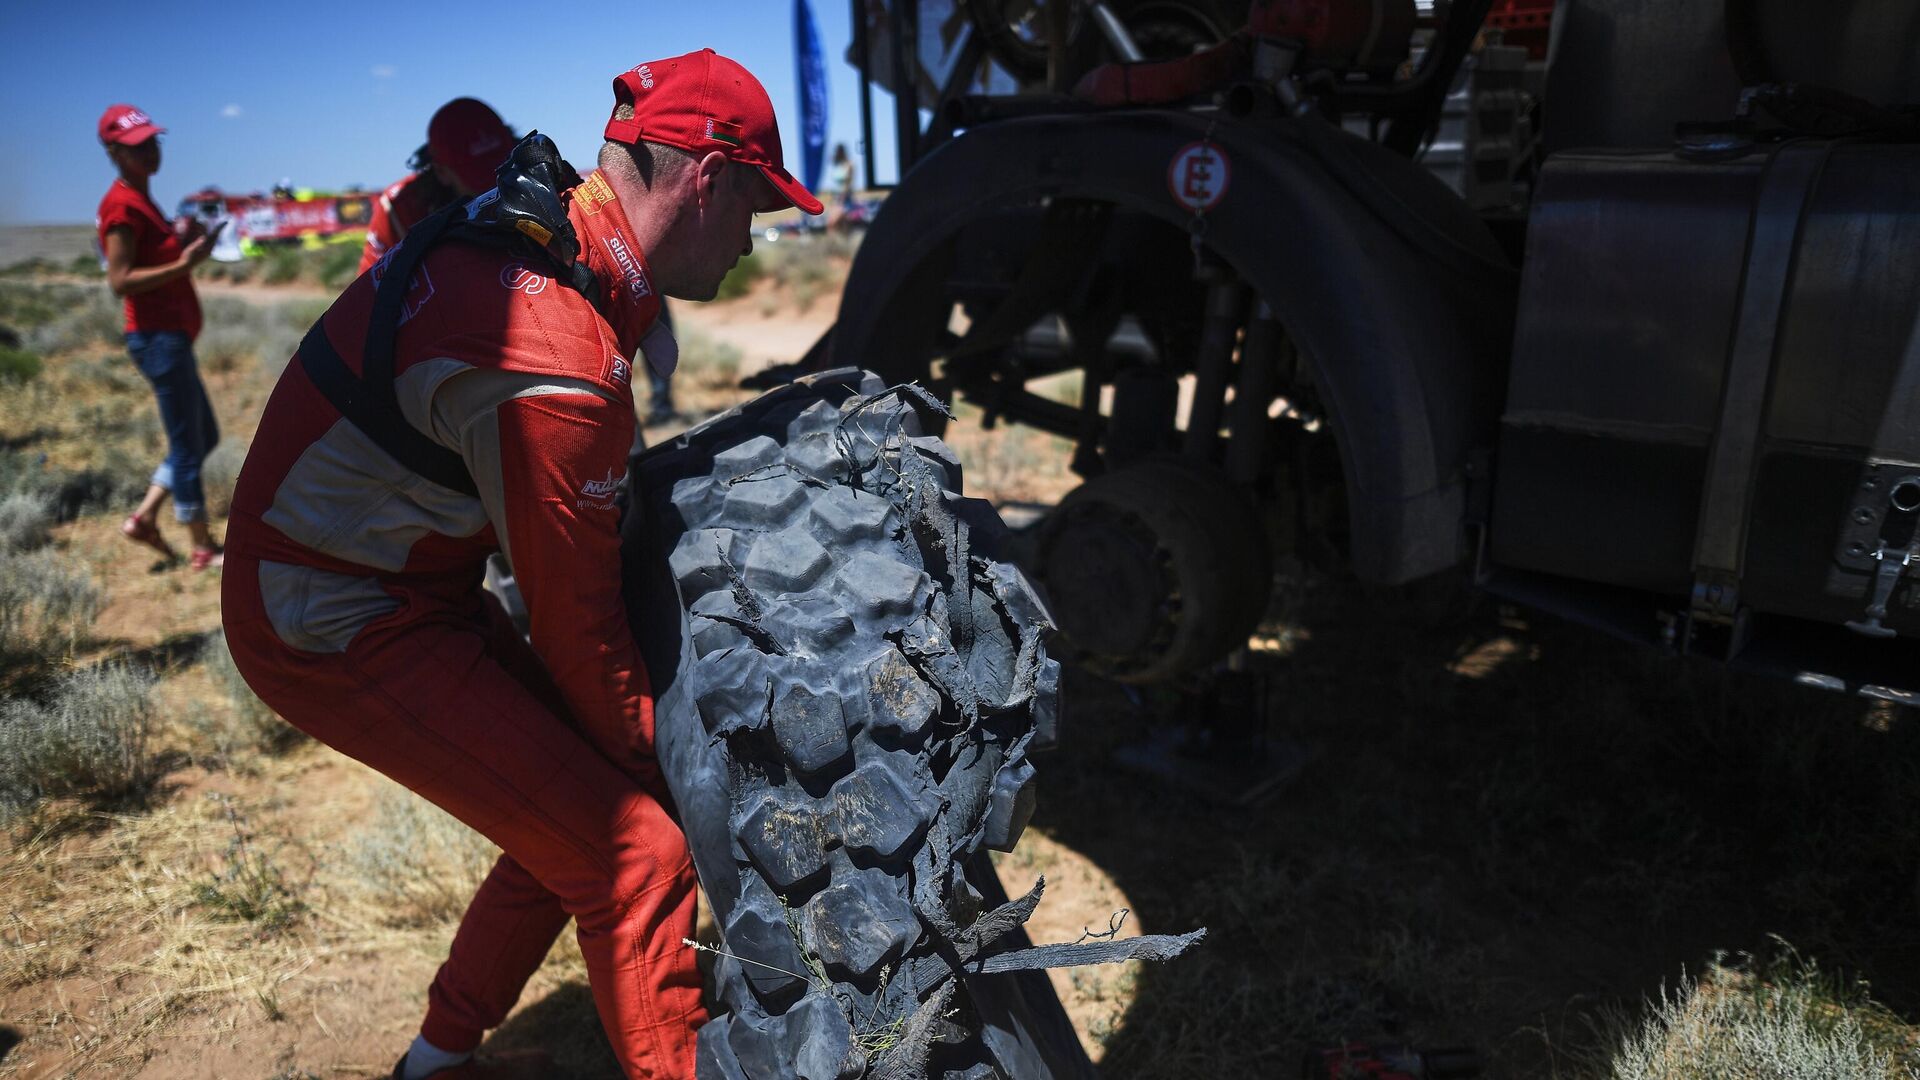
pixel 844 708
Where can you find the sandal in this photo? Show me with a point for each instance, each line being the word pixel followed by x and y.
pixel 207 557
pixel 146 532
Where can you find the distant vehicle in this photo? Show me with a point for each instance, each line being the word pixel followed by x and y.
pixel 285 217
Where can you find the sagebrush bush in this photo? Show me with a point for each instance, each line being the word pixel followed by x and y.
pixel 82 316
pixel 283 266
pixel 90 737
pixel 25 518
pixel 264 334
pixel 339 264
pixel 225 346
pixel 219 472
pixel 25 307
pixel 45 605
pixel 241 724
pixel 1735 1025
pixel 420 862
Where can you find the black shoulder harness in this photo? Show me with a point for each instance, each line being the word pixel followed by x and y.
pixel 523 215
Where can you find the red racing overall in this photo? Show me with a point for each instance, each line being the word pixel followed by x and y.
pixel 406 203
pixel 352 603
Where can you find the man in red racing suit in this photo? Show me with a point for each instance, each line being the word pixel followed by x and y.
pixel 465 140
pixel 352 597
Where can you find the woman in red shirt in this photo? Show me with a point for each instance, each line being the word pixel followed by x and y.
pixel 149 264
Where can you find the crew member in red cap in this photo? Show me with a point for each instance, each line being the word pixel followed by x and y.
pixel 150 263
pixel 352 595
pixel 466 141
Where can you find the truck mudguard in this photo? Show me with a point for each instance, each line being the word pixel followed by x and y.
pixel 1399 297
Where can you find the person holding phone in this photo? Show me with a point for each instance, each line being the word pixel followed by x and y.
pixel 150 261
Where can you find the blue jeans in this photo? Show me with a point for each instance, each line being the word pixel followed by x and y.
pixel 165 357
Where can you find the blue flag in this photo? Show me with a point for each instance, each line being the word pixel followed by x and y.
pixel 812 69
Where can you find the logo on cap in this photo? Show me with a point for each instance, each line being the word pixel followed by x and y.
pixel 722 132
pixel 133 118
pixel 646 77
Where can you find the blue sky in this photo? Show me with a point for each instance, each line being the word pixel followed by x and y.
pixel 330 94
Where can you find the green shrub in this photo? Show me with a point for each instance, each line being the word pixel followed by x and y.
pixel 25 518
pixel 339 265
pixel 240 272
pixel 44 605
pixel 283 266
pixel 37 266
pixel 86 265
pixel 17 365
pixel 88 738
pixel 740 279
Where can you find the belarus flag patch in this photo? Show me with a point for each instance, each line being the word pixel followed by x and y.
pixel 722 132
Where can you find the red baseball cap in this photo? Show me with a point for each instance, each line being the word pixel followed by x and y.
pixel 700 102
pixel 127 126
pixel 470 139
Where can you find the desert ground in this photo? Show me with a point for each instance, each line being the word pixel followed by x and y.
pixel 1495 831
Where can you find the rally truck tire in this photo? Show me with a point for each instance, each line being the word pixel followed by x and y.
pixel 847 683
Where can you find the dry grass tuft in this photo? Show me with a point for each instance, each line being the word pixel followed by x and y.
pixel 250 885
pixel 416 863
pixel 125 901
pixel 1788 1023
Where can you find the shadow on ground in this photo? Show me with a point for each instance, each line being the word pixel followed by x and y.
pixel 168 654
pixel 1507 826
pixel 564 1026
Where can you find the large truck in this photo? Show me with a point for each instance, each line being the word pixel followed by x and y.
pixel 1656 369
